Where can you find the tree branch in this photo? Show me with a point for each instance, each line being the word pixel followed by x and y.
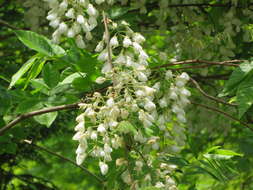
pixel 65 159
pixel 75 105
pixel 224 113
pixel 154 5
pixel 34 113
pixel 208 63
pixel 6 24
pixel 209 96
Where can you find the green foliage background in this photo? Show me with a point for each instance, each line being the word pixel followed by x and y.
pixel 36 74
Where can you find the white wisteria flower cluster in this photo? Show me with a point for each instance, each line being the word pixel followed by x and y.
pixel 72 19
pixel 123 116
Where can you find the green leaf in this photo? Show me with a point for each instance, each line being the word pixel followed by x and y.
pixel 125 127
pixel 51 75
pixel 35 70
pixel 22 71
pixel 28 105
pixel 39 43
pixel 69 79
pixel 245 96
pixel 39 85
pixel 46 119
pixel 116 12
pixel 236 78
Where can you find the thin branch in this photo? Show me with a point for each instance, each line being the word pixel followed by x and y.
pixel 206 5
pixel 6 24
pixel 222 63
pixel 209 96
pixel 107 36
pixel 65 159
pixel 34 113
pixel 223 113
pixel 211 77
pixel 154 5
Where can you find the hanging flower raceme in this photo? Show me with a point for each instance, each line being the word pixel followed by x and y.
pixel 126 116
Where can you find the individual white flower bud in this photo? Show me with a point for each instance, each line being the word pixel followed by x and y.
pixel 107 158
pixel 124 113
pixel 101 128
pixel 138 137
pixel 91 10
pixel 149 106
pixel 134 108
pixel 121 59
pixel 142 77
pixel 110 102
pixel 93 135
pixel 56 38
pixel 127 42
pixel 71 33
pixel 70 13
pixel 155 146
pixel 181 118
pixel 80 158
pixel 114 42
pixel 81 148
pixel 55 23
pixel 107 148
pixel 63 6
pixel 159 185
pixel 79 42
pixel 107 68
pixel 80 19
pixel 78 136
pixel 163 102
pixel 129 61
pixel 184 76
pixel 63 27
pixel 121 162
pixel 143 55
pixel 76 28
pixel 180 83
pixel 138 38
pixel 137 47
pixel 149 91
pixel 101 153
pixel 125 176
pixel 168 75
pixel 80 118
pixel 88 36
pixel 173 95
pixel 113 124
pixel 103 168
pixel 93 22
pixel 80 126
pixel 100 46
pixel 52 16
pixel 140 93
pixel 157 86
pixel 100 80
pixel 99 1
pixel 185 92
pixel 84 3
pixel 89 112
pixel 170 181
pixel 139 165
pixel 103 56
pixel 110 2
